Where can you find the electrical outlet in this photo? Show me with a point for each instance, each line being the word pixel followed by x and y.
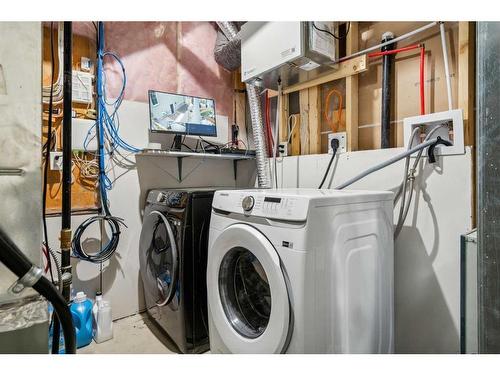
pixel 56 158
pixel 85 64
pixel 342 137
pixel 283 149
pixel 453 130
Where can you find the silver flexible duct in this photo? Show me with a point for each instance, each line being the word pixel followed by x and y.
pixel 263 175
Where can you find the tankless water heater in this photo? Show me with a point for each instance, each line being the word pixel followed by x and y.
pixel 292 51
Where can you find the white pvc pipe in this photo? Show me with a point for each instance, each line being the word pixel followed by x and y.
pixel 446 66
pixel 392 41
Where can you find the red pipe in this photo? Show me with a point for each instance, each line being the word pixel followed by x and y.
pixel 269 134
pixel 403 49
pixel 422 80
pixel 422 67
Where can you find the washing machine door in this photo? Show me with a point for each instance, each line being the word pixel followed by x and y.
pixel 247 292
pixel 158 259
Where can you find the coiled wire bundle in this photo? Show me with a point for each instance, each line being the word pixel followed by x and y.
pixel 106 251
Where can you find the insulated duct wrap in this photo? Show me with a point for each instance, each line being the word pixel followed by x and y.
pixel 263 171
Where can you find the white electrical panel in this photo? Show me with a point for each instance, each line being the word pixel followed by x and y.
pixel 292 52
pixel 83 133
pixel 82 87
pixel 451 128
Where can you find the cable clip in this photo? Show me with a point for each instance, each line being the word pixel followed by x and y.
pixel 29 279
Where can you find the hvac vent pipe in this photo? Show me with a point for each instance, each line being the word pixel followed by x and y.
pixel 263 175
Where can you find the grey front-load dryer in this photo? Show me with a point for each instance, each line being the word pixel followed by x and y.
pixel 173 260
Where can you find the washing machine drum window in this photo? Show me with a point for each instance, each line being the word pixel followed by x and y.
pixel 159 257
pixel 244 292
pixel 248 293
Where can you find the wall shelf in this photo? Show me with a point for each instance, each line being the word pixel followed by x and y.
pixel 180 155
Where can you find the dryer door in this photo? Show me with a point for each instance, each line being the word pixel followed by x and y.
pixel 158 259
pixel 247 292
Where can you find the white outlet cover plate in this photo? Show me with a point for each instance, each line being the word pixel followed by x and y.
pixel 455 115
pixel 342 137
pixel 56 160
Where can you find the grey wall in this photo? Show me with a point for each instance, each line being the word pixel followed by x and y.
pixel 20 134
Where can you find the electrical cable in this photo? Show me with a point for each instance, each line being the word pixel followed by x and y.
pixel 55 90
pixel 348 27
pixel 276 132
pixel 269 134
pixel 292 128
pixel 335 146
pixel 108 138
pixel 47 153
pixel 108 250
pixel 52 254
pixel 339 112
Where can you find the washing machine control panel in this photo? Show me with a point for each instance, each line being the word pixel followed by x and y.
pixel 263 204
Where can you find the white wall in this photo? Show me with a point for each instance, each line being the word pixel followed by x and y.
pixel 427 252
pixel 121 279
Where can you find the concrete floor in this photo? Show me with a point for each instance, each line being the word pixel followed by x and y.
pixel 135 334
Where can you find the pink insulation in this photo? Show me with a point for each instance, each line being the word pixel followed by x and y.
pixel 167 56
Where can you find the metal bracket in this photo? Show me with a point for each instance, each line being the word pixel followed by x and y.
pixel 11 172
pixel 179 168
pixel 29 279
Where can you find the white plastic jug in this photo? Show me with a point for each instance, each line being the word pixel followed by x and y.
pixel 102 320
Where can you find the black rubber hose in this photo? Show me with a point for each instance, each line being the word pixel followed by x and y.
pixel 19 264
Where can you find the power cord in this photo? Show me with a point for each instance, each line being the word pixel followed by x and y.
pixel 331 34
pixel 335 146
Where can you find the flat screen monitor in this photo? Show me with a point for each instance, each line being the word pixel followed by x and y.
pixel 181 114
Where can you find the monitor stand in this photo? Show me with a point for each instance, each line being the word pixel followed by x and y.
pixel 177 143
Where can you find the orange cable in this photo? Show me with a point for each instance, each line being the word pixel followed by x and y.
pixel 327 104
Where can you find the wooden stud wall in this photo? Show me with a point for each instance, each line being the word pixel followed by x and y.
pixel 361 85
pixel 84 196
pixel 351 93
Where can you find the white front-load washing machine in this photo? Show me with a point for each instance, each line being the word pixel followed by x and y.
pixel 301 271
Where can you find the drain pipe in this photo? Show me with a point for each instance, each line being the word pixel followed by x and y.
pixel 66 173
pixel 388 60
pixel 263 175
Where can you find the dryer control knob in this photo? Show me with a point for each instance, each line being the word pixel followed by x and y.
pixel 248 203
pixel 161 198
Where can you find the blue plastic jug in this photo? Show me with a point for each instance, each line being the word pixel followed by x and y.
pixel 81 310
